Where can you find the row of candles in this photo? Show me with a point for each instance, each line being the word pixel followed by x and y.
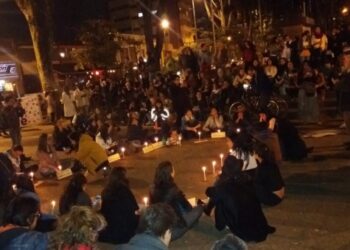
pixel 213 164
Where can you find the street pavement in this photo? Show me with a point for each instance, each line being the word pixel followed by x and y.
pixel 314 215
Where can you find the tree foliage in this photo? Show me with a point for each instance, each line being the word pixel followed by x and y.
pixel 100 46
pixel 38 16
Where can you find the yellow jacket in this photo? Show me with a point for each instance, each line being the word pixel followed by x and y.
pixel 90 154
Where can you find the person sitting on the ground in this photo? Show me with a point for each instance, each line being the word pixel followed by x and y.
pixel 78 230
pixel 61 136
pixel 214 122
pixel 165 190
pixel 91 155
pixel 104 139
pixel 24 187
pixel 119 207
pixel 269 185
pixel 189 125
pixel 15 154
pixel 47 158
pixel 230 242
pixel 135 132
pixel 236 205
pixel 74 194
pixel 154 230
pixel 21 217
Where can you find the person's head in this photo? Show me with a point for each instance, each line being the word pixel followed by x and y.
pixel 104 132
pixel 22 211
pixel 23 182
pixel 117 178
pixel 157 220
pixel 230 242
pixel 241 142
pixel 346 58
pixel 164 176
pixel 75 186
pixel 17 151
pixel 80 226
pixel 189 113
pixel 318 30
pixel 232 167
pixel 214 112
pixel 10 101
pixel 269 62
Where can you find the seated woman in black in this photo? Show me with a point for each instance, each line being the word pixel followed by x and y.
pixel 189 125
pixel 164 190
pixel 119 207
pixel 74 194
pixel 135 131
pixel 61 136
pixel 237 206
pixel 268 182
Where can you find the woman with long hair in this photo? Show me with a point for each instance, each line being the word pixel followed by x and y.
pixel 74 194
pixel 78 230
pixel 165 190
pixel 48 162
pixel 119 207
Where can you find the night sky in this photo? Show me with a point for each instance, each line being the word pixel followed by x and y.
pixel 68 15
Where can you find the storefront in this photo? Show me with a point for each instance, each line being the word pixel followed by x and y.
pixel 10 79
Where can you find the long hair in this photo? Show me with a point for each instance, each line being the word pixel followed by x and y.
pixel 116 180
pixel 80 226
pixel 70 195
pixel 104 132
pixel 24 183
pixel 42 143
pixel 163 177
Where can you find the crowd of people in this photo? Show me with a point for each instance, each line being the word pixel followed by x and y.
pixel 190 99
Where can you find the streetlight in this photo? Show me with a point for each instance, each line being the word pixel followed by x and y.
pixel 165 24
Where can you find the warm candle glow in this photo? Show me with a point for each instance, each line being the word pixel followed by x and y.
pixel 145 201
pixel 204 169
pixel 59 167
pixel 156 139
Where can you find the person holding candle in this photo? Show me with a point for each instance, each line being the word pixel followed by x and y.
pixel 268 182
pixel 119 207
pixel 189 125
pixel 104 139
pixel 74 194
pixel 165 190
pixel 214 122
pixel 236 205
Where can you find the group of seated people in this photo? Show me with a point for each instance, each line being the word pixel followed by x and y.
pixel 250 177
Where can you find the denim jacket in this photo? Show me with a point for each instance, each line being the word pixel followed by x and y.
pixel 30 240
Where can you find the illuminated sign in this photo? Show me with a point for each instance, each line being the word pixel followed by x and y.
pixel 8 70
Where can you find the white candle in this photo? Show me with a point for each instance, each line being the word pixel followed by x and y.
pixel 219 131
pixel 199 135
pixel 156 139
pixel 60 167
pixel 222 159
pixel 213 163
pixel 238 130
pixel 204 169
pixel 123 151
pixel 145 201
pixel 31 175
pixel 145 144
pixel 180 139
pixel 53 204
pixel 14 187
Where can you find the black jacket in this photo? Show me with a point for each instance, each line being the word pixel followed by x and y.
pixel 238 208
pixel 119 211
pixel 344 92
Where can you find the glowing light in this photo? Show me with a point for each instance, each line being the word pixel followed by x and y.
pixel 164 23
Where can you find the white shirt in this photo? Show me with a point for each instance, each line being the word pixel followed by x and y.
pixel 68 105
pixel 248 164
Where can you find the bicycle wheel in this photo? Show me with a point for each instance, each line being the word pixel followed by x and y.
pixel 273 108
pixel 234 108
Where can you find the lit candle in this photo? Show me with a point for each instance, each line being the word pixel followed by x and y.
pixel 204 169
pixel 199 135
pixel 222 159
pixel 156 139
pixel 180 139
pixel 123 151
pixel 14 188
pixel 219 131
pixel 60 167
pixel 31 175
pixel 145 144
pixel 238 130
pixel 145 201
pixel 213 163
pixel 53 204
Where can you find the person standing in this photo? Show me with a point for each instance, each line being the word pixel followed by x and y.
pixel 68 103
pixel 344 90
pixel 81 98
pixel 13 120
